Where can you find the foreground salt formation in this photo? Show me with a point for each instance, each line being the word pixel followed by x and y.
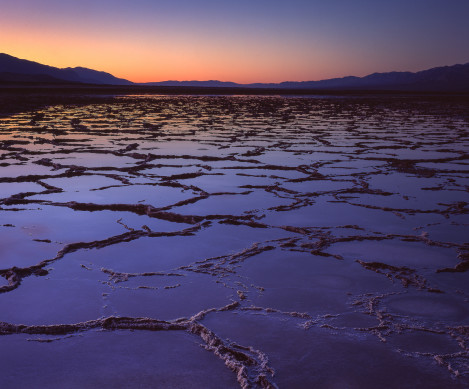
pixel 300 241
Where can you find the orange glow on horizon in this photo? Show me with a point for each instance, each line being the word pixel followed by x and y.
pixel 182 58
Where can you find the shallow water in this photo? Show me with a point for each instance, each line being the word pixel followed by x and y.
pixel 152 241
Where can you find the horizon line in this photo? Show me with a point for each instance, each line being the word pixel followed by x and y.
pixel 239 83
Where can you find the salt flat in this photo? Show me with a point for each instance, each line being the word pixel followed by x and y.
pixel 302 242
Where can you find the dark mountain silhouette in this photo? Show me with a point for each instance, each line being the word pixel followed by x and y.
pixel 18 78
pixel 453 78
pixel 446 78
pixel 96 77
pixel 13 69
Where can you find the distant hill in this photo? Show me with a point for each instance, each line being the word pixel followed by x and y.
pixel 446 78
pixel 13 69
pixel 208 84
pixel 454 77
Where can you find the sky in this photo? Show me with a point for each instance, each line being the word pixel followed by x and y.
pixel 242 41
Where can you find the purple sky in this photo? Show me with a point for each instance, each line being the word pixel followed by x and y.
pixel 243 41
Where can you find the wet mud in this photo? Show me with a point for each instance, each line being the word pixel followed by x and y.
pixel 328 231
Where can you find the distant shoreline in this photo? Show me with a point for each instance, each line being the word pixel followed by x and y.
pixel 67 89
